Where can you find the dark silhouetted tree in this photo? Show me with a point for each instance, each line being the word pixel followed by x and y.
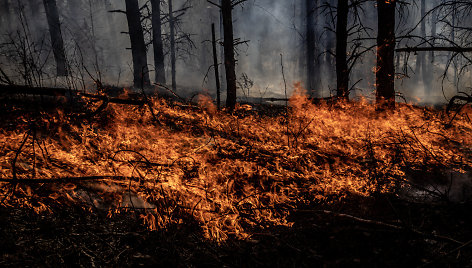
pixel 230 62
pixel 385 70
pixel 57 42
pixel 228 44
pixel 172 44
pixel 311 8
pixel 138 47
pixel 160 76
pixel 342 71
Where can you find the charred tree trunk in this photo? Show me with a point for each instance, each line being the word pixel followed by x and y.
pixel 172 45
pixel 311 6
pixel 385 71
pixel 329 60
pixel 160 75
pixel 57 42
pixel 230 62
pixel 138 48
pixel 342 72
pixel 215 66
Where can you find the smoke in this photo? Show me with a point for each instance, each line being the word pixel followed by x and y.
pixel 97 46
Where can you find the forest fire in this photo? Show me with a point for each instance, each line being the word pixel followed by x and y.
pixel 166 133
pixel 229 172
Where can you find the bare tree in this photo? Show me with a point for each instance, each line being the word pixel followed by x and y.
pixel 228 44
pixel 160 76
pixel 138 47
pixel 342 71
pixel 57 42
pixel 230 62
pixel 385 70
pixel 455 18
pixel 311 8
pixel 172 44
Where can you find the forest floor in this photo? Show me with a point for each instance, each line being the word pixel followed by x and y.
pixel 72 237
pixel 244 198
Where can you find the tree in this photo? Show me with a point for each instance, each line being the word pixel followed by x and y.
pixel 57 42
pixel 230 62
pixel 422 69
pixel 455 17
pixel 172 44
pixel 311 7
pixel 228 45
pixel 329 39
pixel 160 76
pixel 342 71
pixel 138 47
pixel 385 70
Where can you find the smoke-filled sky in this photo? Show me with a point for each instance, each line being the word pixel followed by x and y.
pixel 97 46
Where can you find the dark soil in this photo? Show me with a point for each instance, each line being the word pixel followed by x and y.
pixel 73 237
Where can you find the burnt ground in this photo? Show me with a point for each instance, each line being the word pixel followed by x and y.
pixel 72 237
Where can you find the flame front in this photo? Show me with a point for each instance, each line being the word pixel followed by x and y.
pixel 228 172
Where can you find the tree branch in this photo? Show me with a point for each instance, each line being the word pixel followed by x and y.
pixel 449 49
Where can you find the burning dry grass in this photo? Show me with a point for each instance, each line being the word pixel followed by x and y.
pixel 229 173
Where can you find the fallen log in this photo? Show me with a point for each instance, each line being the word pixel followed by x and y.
pixel 68 179
pixel 64 92
pixel 27 90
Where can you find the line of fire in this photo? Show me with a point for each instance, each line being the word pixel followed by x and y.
pixel 236 133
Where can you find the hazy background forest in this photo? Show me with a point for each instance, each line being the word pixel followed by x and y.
pixel 97 46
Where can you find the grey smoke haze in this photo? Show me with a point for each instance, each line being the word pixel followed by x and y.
pixel 96 44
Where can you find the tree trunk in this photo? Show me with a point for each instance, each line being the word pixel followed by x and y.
pixel 172 45
pixel 160 75
pixel 138 48
pixel 57 42
pixel 230 63
pixel 342 72
pixel 385 71
pixel 312 78
pixel 329 61
pixel 215 66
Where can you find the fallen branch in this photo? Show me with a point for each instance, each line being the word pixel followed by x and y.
pixel 384 224
pixel 114 100
pixel 67 179
pixel 62 92
pixel 27 90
